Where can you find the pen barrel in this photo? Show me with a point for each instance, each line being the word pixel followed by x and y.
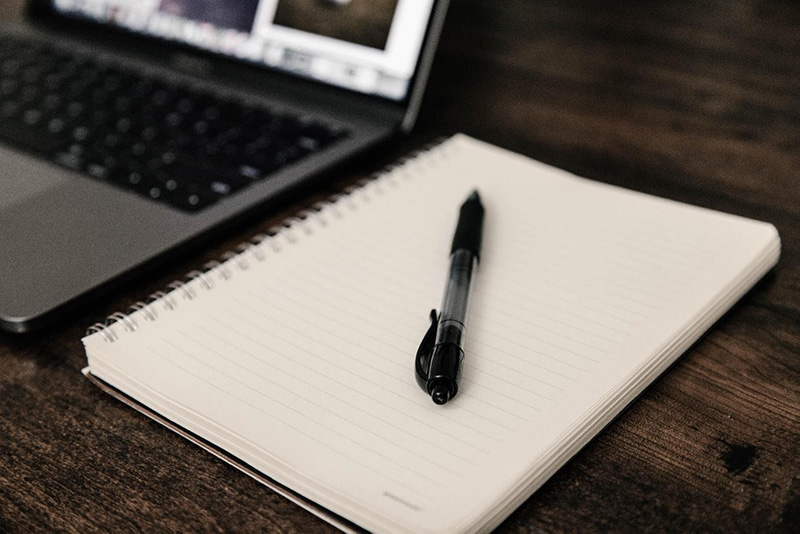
pixel 469 231
pixel 448 351
pixel 453 319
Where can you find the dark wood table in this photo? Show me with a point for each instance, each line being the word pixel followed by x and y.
pixel 699 102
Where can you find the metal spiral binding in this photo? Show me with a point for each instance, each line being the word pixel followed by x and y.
pixel 169 298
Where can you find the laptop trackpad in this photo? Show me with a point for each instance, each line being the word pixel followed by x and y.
pixel 61 238
pixel 22 178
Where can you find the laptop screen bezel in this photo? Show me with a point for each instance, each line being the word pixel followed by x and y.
pixel 45 11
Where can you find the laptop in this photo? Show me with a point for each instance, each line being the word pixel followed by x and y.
pixel 130 129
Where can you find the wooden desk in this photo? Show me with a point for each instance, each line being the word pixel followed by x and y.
pixel 700 103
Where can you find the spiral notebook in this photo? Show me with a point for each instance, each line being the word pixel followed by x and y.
pixel 293 357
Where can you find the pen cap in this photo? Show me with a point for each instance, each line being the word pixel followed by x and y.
pixel 469 232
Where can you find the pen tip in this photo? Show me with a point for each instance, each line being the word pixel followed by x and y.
pixel 474 196
pixel 440 394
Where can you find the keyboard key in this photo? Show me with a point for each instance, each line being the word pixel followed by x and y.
pixel 167 142
pixel 250 172
pixel 69 160
pixel 55 126
pixel 99 171
pixel 32 117
pixel 188 199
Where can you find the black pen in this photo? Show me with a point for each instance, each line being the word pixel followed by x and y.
pixel 441 353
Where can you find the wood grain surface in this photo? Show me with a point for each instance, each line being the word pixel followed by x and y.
pixel 699 102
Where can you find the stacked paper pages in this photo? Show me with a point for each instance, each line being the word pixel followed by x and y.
pixel 296 356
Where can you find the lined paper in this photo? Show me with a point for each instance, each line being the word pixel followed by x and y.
pixel 301 363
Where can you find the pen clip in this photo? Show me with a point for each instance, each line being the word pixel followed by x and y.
pixel 425 352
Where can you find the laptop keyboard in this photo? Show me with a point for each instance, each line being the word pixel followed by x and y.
pixel 167 142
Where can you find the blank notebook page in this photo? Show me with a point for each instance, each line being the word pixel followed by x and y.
pixel 298 355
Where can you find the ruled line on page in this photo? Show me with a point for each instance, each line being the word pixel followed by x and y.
pixel 346 296
pixel 521 275
pixel 276 383
pixel 560 190
pixel 503 322
pixel 404 369
pixel 613 232
pixel 326 446
pixel 614 227
pixel 617 238
pixel 556 345
pixel 320 289
pixel 418 333
pixel 609 267
pixel 513 400
pixel 610 296
pixel 534 296
pixel 373 399
pixel 544 250
pixel 484 361
pixel 479 311
pixel 611 258
pixel 569 294
pixel 572 232
pixel 339 384
pixel 348 340
pixel 472 338
pixel 376 399
pixel 493 391
pixel 403 366
pixel 273 401
pixel 477 356
pixel 613 287
pixel 345 293
pixel 431 276
pixel 517 414
pixel 455 417
pixel 502 315
pixel 411 332
pixel 489 349
pixel 381 338
pixel 419 401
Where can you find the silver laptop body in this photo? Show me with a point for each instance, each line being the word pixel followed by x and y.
pixel 69 234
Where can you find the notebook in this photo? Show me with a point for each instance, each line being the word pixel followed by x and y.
pixel 293 358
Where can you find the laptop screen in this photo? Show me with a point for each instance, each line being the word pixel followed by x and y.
pixel 370 46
